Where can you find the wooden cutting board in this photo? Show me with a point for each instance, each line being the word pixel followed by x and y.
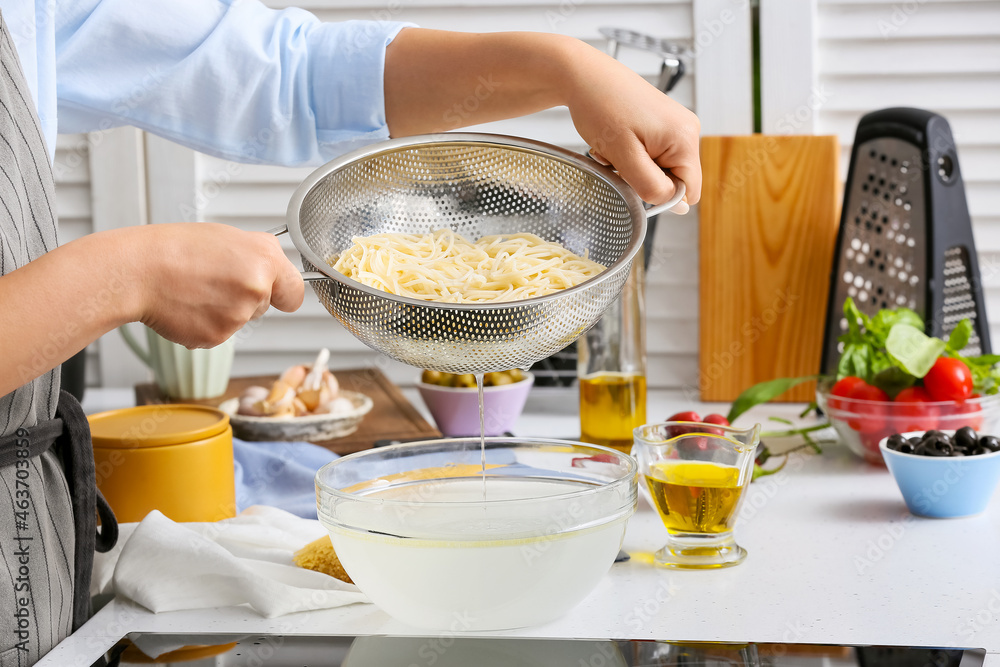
pixel 392 417
pixel 769 219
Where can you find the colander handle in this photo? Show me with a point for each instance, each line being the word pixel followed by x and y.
pixel 307 276
pixel 679 191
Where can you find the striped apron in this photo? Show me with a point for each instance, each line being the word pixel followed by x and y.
pixel 48 502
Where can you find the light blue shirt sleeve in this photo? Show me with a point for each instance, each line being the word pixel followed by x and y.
pixel 231 78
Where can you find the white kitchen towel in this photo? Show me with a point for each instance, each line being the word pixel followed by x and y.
pixel 167 566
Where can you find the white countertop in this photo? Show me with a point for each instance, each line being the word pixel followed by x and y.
pixel 834 558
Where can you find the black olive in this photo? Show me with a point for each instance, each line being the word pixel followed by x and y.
pixel 990 442
pixel 925 448
pixel 944 448
pixel 905 448
pixel 895 441
pixel 916 440
pixel 965 437
pixel 980 450
pixel 931 436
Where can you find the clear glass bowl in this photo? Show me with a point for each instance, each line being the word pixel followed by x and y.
pixel 412 528
pixel 861 425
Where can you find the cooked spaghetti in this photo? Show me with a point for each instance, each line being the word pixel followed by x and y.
pixel 443 266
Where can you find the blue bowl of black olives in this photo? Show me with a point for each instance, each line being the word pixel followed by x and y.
pixel 944 474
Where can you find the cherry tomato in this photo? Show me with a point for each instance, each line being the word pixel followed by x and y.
pixel 716 419
pixel 870 442
pixel 949 380
pixel 916 413
pixel 843 388
pixel 873 413
pixel 689 416
pixel 957 414
pixel 846 385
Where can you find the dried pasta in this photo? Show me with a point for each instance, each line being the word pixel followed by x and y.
pixel 444 266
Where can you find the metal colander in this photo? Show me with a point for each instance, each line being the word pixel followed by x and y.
pixel 476 185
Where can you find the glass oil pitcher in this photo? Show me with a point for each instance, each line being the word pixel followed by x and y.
pixel 612 369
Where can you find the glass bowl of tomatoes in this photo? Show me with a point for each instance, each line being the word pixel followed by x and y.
pixel 864 414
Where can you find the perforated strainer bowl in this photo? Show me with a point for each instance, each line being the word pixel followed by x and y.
pixel 476 185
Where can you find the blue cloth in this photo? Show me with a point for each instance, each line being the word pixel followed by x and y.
pixel 231 78
pixel 280 474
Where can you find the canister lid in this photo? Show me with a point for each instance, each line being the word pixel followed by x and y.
pixel 156 425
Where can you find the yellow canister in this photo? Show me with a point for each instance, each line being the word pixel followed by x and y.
pixel 174 458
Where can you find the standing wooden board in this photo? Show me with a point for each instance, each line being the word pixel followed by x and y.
pixel 769 218
pixel 392 416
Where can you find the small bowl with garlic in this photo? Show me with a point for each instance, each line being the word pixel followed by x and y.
pixel 304 403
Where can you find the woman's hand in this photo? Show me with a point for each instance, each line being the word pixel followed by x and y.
pixel 206 280
pixel 195 284
pixel 636 128
pixel 436 81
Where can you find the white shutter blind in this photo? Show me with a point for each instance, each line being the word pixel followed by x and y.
pixel 938 55
pixel 71 172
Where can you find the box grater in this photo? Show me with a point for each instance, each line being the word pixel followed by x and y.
pixel 905 235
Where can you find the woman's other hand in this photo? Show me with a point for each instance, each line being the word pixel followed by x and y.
pixel 205 281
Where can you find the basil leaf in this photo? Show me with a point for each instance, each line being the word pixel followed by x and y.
pixel 912 349
pixel 763 392
pixel 855 318
pixel 885 320
pixel 983 361
pixel 880 362
pixel 854 361
pixel 893 380
pixel 959 338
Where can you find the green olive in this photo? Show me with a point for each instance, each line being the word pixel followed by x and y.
pixel 431 377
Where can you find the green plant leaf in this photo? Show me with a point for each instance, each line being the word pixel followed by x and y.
pixel 855 360
pixel 855 318
pixel 893 380
pixel 764 392
pixel 985 372
pixel 959 338
pixel 912 349
pixel 987 360
pixel 885 320
pixel 759 472
pixel 879 364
